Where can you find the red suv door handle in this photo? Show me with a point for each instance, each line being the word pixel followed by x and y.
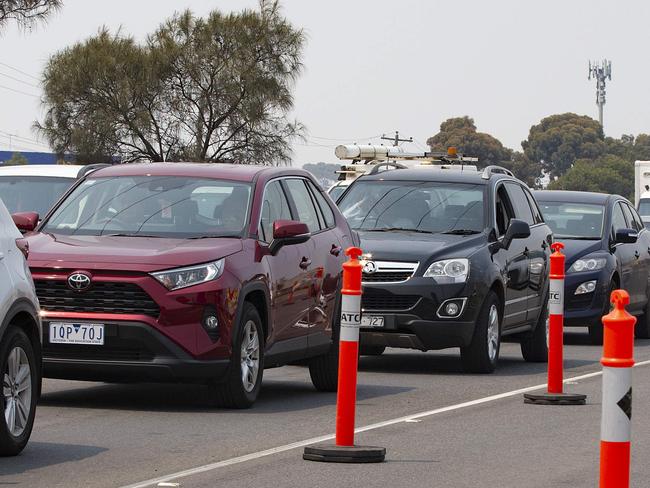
pixel 304 264
pixel 336 250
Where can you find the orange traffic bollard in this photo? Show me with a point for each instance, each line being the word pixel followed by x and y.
pixel 555 394
pixel 344 450
pixel 617 361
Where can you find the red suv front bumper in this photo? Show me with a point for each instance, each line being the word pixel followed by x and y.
pixel 151 334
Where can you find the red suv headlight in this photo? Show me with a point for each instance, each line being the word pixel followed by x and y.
pixel 175 279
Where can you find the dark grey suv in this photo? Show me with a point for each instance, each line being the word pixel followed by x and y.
pixel 454 258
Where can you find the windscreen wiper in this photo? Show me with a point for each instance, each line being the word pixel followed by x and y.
pixel 397 229
pixel 213 236
pixel 462 232
pixel 578 238
pixel 128 235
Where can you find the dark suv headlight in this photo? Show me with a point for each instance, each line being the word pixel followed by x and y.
pixel 449 270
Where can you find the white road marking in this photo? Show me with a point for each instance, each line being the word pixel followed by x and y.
pixel 315 440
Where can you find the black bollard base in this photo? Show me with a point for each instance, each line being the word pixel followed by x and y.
pixel 555 398
pixel 330 453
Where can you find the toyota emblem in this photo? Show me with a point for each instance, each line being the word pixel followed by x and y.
pixel 78 281
pixel 370 267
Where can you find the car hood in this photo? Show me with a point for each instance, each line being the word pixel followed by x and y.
pixel 414 246
pixel 125 253
pixel 575 249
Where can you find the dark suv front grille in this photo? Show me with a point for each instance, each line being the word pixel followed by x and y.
pixel 387 276
pixel 101 297
pixel 384 301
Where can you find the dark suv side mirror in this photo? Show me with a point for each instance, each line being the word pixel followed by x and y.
pixel 25 221
pixel 288 232
pixel 518 229
pixel 626 236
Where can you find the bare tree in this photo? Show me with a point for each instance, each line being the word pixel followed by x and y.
pixel 212 89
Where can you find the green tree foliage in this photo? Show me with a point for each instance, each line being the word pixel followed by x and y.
pixel 523 168
pixel 629 147
pixel 17 159
pixel 559 140
pixel 606 174
pixel 461 133
pixel 201 89
pixel 26 12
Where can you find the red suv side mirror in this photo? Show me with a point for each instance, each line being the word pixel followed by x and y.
pixel 25 221
pixel 287 232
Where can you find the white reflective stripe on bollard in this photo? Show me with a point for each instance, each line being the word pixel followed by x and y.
pixel 556 297
pixel 617 405
pixel 350 317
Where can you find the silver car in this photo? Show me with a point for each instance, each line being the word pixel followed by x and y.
pixel 20 340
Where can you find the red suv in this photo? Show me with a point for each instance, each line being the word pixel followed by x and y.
pixel 190 272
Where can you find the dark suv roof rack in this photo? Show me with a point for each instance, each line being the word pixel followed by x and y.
pixel 388 165
pixel 492 169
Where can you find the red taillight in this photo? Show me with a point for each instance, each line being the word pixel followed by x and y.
pixel 23 245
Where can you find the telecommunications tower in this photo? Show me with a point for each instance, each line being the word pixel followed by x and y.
pixel 601 71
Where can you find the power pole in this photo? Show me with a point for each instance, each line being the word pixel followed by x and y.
pixel 396 140
pixel 602 72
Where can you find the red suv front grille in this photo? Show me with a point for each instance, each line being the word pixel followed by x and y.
pixel 101 297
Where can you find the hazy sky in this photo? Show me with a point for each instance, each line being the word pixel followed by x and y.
pixel 374 66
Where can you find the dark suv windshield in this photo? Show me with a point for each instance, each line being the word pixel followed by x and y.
pixel 154 206
pixel 32 193
pixel 414 205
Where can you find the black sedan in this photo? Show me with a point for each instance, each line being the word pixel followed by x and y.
pixel 606 247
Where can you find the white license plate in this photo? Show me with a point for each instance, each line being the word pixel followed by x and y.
pixel 372 321
pixel 71 333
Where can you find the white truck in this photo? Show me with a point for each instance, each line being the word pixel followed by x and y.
pixel 368 158
pixel 642 190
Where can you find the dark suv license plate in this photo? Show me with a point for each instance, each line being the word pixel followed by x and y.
pixel 372 321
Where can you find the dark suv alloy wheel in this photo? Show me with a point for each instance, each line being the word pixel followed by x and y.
pixel 19 391
pixel 244 379
pixel 534 347
pixel 482 354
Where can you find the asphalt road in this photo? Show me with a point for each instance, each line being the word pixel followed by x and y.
pixel 101 435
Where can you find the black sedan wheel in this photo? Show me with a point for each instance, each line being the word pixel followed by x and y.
pixel 596 331
pixel 642 327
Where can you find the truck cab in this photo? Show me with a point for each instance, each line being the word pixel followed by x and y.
pixel 642 190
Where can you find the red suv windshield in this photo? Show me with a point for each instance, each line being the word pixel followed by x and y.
pixel 153 206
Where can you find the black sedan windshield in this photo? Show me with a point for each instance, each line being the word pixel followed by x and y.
pixel 415 205
pixel 153 206
pixel 32 193
pixel 574 220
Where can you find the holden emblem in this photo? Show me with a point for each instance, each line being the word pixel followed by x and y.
pixel 370 267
